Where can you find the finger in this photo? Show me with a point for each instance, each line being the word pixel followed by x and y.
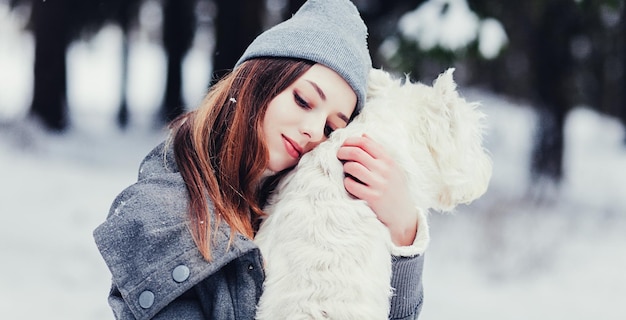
pixel 374 149
pixel 359 173
pixel 379 167
pixel 358 190
pixel 359 163
pixel 352 153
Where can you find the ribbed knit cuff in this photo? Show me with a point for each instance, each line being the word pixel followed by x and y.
pixel 406 303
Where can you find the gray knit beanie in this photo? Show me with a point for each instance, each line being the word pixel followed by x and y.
pixel 330 32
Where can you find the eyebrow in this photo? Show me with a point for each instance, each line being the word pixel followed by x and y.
pixel 323 96
pixel 343 117
pixel 318 89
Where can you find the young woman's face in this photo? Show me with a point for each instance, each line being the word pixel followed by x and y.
pixel 304 114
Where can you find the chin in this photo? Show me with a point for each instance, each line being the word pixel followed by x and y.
pixel 280 165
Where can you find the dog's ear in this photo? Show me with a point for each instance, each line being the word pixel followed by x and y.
pixel 378 83
pixel 464 164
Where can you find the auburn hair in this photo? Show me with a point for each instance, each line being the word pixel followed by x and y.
pixel 220 150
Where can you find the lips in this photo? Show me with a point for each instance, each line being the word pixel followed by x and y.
pixel 293 149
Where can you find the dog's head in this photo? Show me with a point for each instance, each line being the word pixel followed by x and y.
pixel 443 155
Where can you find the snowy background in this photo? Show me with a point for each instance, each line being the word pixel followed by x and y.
pixel 521 252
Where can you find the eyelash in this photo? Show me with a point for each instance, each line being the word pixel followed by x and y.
pixel 303 104
pixel 327 131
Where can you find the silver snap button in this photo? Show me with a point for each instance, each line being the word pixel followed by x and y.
pixel 146 299
pixel 180 273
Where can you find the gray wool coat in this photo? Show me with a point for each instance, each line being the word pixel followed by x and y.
pixel 158 272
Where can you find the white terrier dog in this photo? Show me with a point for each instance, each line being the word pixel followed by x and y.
pixel 326 254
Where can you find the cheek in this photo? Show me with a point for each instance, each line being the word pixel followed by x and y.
pixel 265 125
pixel 271 119
pixel 273 113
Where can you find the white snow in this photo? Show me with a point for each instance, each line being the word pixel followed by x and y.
pixel 17 50
pixel 431 27
pixel 523 251
pixel 491 38
pixel 451 25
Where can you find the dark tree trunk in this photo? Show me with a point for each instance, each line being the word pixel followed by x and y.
pixel 125 13
pixel 179 25
pixel 55 24
pixel 381 18
pixel 508 74
pixel 622 108
pixel 552 63
pixel 49 97
pixel 123 114
pixel 238 23
pixel 547 158
pixel 173 104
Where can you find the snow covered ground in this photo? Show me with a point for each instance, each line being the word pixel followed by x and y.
pixel 521 252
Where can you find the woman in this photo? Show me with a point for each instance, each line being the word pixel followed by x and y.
pixel 178 242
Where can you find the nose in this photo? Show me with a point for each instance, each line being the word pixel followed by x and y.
pixel 312 126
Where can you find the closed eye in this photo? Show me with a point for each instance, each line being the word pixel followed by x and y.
pixel 301 102
pixel 328 130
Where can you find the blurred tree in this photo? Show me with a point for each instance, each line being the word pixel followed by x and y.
pixel 600 55
pixel 569 54
pixel 553 68
pixel 179 26
pixel 508 73
pixel 238 23
pixel 560 54
pixel 125 13
pixel 49 23
pixel 55 24
pixel 623 42
pixel 437 35
pixel 381 18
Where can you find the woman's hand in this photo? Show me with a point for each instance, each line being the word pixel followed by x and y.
pixel 373 176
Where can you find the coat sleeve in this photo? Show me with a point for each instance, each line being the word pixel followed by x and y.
pixel 407 269
pixel 406 303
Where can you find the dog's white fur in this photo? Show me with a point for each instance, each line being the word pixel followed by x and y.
pixel 326 254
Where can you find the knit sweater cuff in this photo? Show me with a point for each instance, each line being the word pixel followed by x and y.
pixel 406 302
pixel 422 238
